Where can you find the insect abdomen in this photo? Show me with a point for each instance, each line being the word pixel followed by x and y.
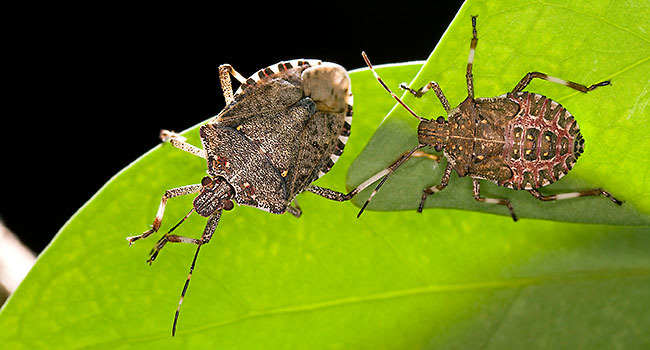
pixel 542 142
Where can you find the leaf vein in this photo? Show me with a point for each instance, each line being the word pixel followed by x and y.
pixel 433 289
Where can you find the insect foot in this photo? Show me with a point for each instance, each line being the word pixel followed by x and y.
pixel 282 129
pixel 166 135
pixel 520 140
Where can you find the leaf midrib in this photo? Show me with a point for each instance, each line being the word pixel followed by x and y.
pixel 570 277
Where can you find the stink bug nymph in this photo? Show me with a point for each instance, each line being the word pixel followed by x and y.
pixel 281 130
pixel 521 140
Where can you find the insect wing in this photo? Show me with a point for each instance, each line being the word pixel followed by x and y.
pixel 323 137
pixel 268 97
pixel 278 133
pixel 270 90
pixel 320 149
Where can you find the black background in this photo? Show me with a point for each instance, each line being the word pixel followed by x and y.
pixel 90 88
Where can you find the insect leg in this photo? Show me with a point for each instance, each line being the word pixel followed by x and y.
pixel 341 197
pixel 532 75
pixel 423 90
pixel 168 238
pixel 225 70
pixel 433 189
pixel 592 192
pixel 477 196
pixel 295 211
pixel 470 60
pixel 327 193
pixel 385 174
pixel 207 235
pixel 175 192
pixel 178 141
pixel 388 89
pixel 418 154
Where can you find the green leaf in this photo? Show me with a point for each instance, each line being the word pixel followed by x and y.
pixel 442 279
pixel 585 43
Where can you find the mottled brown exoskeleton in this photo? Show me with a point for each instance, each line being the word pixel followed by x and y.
pixel 519 140
pixel 281 130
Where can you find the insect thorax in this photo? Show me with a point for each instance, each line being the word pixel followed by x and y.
pixel 433 133
pixel 462 143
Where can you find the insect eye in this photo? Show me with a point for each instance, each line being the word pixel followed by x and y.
pixel 438 148
pixel 440 120
pixel 228 205
pixel 206 181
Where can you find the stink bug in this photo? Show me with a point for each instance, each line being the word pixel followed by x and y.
pixel 281 130
pixel 519 140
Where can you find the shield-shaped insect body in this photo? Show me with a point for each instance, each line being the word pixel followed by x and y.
pixel 284 127
pixel 519 140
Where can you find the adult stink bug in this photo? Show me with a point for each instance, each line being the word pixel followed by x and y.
pixel 281 130
pixel 519 140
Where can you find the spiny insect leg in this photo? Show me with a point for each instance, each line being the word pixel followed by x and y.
pixel 477 196
pixel 423 90
pixel 532 75
pixel 174 192
pixel 470 60
pixel 433 189
pixel 591 192
pixel 210 227
pixel 225 70
pixel 385 173
pixel 365 57
pixel 178 141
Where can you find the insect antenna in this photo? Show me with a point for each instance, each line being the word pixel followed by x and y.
pixel 365 57
pixel 181 221
pixel 403 158
pixel 372 195
pixel 187 283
